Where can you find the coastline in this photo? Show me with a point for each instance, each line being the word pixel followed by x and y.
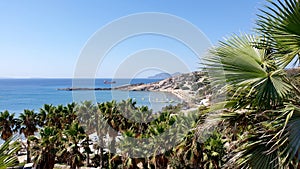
pixel 191 88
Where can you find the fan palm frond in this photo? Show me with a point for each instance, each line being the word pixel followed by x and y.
pixel 280 22
pixel 8 151
pixel 249 70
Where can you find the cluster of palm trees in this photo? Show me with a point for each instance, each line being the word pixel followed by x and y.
pixel 47 123
pixel 60 134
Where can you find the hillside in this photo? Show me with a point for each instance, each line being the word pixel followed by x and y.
pixel 191 87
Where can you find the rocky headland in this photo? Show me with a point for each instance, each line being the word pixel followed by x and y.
pixel 191 87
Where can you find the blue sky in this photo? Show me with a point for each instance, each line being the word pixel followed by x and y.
pixel 44 38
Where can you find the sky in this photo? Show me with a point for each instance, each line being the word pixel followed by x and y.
pixel 44 39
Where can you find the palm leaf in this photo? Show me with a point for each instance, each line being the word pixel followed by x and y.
pixel 280 22
pixel 289 142
pixel 254 153
pixel 8 153
pixel 249 70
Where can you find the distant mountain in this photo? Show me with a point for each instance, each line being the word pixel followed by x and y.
pixel 163 75
pixel 176 74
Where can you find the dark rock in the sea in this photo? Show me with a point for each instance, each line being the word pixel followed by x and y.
pixel 71 89
pixel 125 87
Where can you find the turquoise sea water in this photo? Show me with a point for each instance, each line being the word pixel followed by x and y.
pixel 19 94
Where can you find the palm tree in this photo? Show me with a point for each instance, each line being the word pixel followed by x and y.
pixel 8 152
pixel 280 24
pixel 7 125
pixel 29 121
pixel 55 117
pixel 43 113
pixel 255 85
pixel 112 116
pixel 69 114
pixel 101 129
pixel 88 116
pixel 74 135
pixel 258 88
pixel 45 148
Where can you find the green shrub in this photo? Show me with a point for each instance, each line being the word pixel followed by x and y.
pixel 194 87
pixel 185 88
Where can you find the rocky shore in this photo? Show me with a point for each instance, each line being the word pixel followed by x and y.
pixel 191 87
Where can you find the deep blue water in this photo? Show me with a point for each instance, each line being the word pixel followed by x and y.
pixel 19 94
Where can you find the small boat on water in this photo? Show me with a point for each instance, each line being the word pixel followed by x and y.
pixel 109 82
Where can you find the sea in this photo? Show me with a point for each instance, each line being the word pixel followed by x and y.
pixel 19 94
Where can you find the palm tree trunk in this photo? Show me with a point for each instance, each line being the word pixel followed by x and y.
pixel 87 153
pixel 28 152
pixel 87 159
pixel 100 137
pixel 113 145
pixel 112 151
pixel 101 158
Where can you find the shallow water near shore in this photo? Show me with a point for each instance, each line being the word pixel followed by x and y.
pixel 19 94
